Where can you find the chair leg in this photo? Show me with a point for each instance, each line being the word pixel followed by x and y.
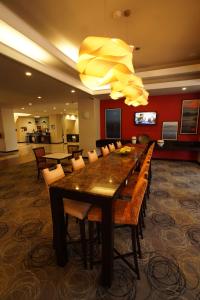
pixel 140 226
pixel 38 175
pixel 83 242
pixel 133 235
pixel 138 242
pixel 142 218
pixel 98 226
pixel 91 241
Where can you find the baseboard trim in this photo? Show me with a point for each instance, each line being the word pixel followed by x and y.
pixel 11 151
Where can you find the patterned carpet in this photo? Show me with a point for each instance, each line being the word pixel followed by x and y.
pixel 170 267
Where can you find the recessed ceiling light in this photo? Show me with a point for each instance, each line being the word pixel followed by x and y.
pixel 73 91
pixel 22 107
pixel 39 97
pixel 54 108
pixel 29 74
pixel 30 104
pixel 37 116
pixel 45 110
pixel 64 109
pixel 184 88
pixel 67 103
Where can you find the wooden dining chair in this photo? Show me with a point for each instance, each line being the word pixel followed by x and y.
pixel 125 213
pixel 111 147
pixel 41 162
pixel 74 208
pixel 92 156
pixel 105 151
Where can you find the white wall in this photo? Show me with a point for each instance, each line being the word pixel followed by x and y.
pixel 8 130
pixel 89 127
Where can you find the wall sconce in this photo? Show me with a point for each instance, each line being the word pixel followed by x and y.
pixel 71 117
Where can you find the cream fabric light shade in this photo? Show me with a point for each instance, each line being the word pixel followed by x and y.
pixel 104 60
pixel 109 61
pixel 133 91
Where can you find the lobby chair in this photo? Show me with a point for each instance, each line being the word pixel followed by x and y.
pixel 41 161
pixel 71 148
pixel 76 209
pixel 105 151
pixel 92 156
pixel 125 213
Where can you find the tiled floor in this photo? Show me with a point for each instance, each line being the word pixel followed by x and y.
pixel 25 153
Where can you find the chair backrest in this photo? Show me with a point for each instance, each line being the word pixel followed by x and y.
pixel 78 163
pixel 111 147
pixel 92 156
pixel 137 198
pixel 39 152
pixel 144 169
pixel 77 153
pixel 71 148
pixel 51 176
pixel 119 144
pixel 105 151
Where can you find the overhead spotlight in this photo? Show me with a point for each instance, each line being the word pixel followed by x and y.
pixel 30 104
pixel 28 74
pixel 67 103
pixel 73 91
pixel 22 107
pixel 54 108
pixel 39 97
pixel 184 88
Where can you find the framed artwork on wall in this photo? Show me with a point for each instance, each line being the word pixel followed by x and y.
pixel 190 116
pixel 169 130
pixel 113 123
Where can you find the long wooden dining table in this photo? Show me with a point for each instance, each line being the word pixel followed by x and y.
pixel 98 183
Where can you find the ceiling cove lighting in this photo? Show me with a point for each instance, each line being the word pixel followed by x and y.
pixel 109 61
pixel 16 40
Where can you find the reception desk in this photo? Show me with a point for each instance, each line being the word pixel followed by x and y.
pixel 38 138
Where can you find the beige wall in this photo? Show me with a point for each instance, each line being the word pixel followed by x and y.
pixel 69 126
pixel 24 122
pixel 55 128
pixel 89 130
pixel 8 139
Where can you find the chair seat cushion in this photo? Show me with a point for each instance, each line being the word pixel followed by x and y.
pixel 76 209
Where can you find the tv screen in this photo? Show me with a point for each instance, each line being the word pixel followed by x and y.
pixel 145 118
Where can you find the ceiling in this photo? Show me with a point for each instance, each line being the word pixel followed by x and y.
pixel 167 33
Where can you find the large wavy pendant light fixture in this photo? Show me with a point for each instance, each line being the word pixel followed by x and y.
pixel 104 61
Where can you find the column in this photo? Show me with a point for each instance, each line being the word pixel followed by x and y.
pixel 8 138
pixel 89 123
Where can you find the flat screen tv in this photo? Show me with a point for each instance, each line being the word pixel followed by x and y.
pixel 145 118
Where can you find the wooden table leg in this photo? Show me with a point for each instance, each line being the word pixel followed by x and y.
pixel 59 228
pixel 107 244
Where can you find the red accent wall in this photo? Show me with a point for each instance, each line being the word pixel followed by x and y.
pixel 168 108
